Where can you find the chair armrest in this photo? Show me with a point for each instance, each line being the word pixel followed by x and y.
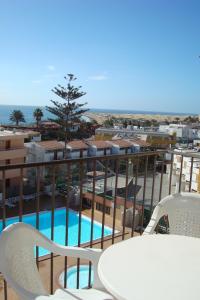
pixel 30 237
pixel 157 214
pixel 90 254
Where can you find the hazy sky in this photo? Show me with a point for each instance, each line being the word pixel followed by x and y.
pixel 131 54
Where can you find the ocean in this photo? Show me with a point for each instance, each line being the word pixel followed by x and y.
pixel 6 110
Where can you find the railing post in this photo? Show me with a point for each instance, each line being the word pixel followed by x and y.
pixel 115 200
pixel 135 196
pixel 52 227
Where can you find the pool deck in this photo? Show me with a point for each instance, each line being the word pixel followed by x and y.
pixel 58 262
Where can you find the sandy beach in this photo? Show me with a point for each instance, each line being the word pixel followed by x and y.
pixel 101 117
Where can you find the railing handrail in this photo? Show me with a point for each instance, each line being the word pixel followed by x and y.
pixel 186 154
pixel 12 149
pixel 81 159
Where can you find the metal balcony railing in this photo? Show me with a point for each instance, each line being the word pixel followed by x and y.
pixel 118 191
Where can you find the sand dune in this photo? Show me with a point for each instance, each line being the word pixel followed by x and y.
pixel 101 117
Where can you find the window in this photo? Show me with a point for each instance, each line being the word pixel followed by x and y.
pixel 7 144
pixel 7 182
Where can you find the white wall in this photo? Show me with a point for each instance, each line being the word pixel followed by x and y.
pixel 163 128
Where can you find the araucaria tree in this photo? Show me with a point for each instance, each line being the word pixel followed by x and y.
pixel 38 114
pixel 17 116
pixel 69 110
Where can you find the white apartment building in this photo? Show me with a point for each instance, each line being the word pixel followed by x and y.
pixel 186 171
pixel 52 150
pixel 12 151
pixel 182 131
pixel 76 149
pixel 44 151
pixel 116 146
pixel 122 146
pixel 99 148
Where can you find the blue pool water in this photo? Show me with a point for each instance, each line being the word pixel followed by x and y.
pixel 60 227
pixel 72 277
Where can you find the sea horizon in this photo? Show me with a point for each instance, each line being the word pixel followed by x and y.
pixel 5 111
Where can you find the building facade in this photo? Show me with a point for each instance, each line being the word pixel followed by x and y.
pixel 12 151
pixel 189 169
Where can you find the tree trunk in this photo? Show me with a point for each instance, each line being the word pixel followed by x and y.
pixel 65 149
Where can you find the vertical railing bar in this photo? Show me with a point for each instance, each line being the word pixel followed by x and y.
pixel 161 181
pixel 115 201
pixel 180 178
pixel 79 220
pixel 144 194
pixel 21 195
pixel 93 202
pixel 52 227
pixel 171 170
pixel 135 196
pixel 37 208
pixel 191 173
pixel 92 219
pixel 67 221
pixel 4 197
pixel 125 200
pixel 104 204
pixel 5 290
pixel 153 184
pixel 170 190
pixel 4 220
pixel 160 193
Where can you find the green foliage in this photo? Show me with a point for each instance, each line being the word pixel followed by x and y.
pixel 108 123
pixel 191 119
pixel 85 131
pixel 125 123
pixel 154 122
pixel 17 116
pixel 38 114
pixel 60 173
pixel 68 111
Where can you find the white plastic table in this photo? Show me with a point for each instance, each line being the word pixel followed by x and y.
pixel 152 267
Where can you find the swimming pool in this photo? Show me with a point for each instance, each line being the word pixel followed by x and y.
pixel 72 277
pixel 60 227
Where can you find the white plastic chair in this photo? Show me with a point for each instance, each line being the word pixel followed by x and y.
pixel 18 265
pixel 183 211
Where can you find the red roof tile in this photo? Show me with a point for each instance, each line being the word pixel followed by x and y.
pixel 77 145
pixel 99 144
pixel 51 145
pixel 121 143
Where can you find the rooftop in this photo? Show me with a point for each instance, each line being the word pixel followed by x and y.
pixel 121 143
pixel 77 145
pixel 7 134
pixel 49 124
pixel 51 145
pixel 100 144
pixel 142 131
pixel 111 183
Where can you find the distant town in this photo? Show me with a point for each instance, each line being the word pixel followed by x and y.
pixel 41 142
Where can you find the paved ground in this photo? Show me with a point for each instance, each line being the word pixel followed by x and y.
pixel 156 193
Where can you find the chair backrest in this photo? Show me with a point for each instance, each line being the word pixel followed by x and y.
pixel 17 261
pixel 183 211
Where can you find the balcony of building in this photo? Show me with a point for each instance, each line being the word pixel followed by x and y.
pixel 88 202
